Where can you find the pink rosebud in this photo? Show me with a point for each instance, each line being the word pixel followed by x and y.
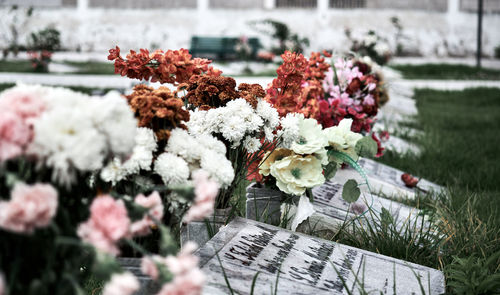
pixel 154 204
pixel 108 223
pixel 121 284
pixel 15 135
pixel 206 191
pixel 30 207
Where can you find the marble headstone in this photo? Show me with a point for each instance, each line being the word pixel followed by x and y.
pixel 386 180
pixel 306 265
pixel 332 211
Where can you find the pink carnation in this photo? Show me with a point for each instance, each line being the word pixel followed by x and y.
pixel 206 192
pixel 188 278
pixel 121 284
pixel 108 224
pixel 23 103
pixel 149 267
pixel 15 135
pixel 30 207
pixel 154 204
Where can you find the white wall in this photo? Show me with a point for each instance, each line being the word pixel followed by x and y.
pixel 432 33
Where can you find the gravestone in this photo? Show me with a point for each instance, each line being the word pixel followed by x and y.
pixel 306 265
pixel 332 211
pixel 386 180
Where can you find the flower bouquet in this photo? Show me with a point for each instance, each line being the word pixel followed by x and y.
pixel 371 45
pixel 58 227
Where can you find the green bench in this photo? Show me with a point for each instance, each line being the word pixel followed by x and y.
pixel 222 48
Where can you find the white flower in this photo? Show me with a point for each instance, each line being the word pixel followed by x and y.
pixel 296 173
pixel 311 138
pixel 268 113
pixel 218 166
pixel 382 48
pixel 121 284
pixel 114 171
pixel 211 143
pixel 172 169
pixel 197 122
pixel 252 144
pixel 183 145
pixel 342 138
pixel 113 117
pixel 290 130
pixel 67 139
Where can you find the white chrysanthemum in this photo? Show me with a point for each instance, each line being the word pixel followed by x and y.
pixel 113 117
pixel 184 145
pixel 290 130
pixel 114 171
pixel 66 139
pixel 342 138
pixel 211 143
pixel 311 138
pixel 234 129
pixel 252 144
pixel 268 113
pixel 197 122
pixel 172 169
pixel 218 166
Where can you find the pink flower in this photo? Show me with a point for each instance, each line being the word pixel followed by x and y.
pixel 369 100
pixel 188 278
pixel 2 285
pixel 108 223
pixel 121 284
pixel 15 135
pixel 30 207
pixel 190 283
pixel 154 204
pixel 205 191
pixel 22 102
pixel 148 266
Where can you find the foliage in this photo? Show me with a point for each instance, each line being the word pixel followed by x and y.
pixel 46 39
pixel 286 39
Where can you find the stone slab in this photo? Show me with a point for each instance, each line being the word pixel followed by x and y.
pixel 305 265
pixel 386 180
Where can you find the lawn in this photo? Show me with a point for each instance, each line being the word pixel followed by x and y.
pixel 461 150
pixel 446 72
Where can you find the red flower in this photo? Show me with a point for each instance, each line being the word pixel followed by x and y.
pixel 409 180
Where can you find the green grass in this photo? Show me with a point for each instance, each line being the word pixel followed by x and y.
pixel 446 72
pixel 461 150
pixel 18 66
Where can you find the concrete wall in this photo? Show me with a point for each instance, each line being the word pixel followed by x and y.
pixel 430 33
pixel 490 6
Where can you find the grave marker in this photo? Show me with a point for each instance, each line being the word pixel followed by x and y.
pixel 306 265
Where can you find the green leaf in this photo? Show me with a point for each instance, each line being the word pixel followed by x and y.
pixel 330 170
pixel 351 191
pixel 366 147
pixel 386 217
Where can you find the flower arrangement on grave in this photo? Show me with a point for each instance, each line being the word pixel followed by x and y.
pixel 372 45
pixel 327 93
pixel 40 60
pixel 57 225
pixel 232 122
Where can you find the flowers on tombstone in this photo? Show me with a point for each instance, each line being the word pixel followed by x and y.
pixel 55 145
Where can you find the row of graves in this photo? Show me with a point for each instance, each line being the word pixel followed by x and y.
pixel 254 255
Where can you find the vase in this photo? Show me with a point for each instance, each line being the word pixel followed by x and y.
pixel 202 231
pixel 263 204
pixel 133 265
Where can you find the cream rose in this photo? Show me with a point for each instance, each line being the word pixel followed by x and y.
pixel 311 138
pixel 342 138
pixel 296 173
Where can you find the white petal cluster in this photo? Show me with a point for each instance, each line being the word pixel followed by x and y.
pixel 172 169
pixel 142 158
pixel 290 131
pixel 342 138
pixel 235 121
pixel 201 151
pixel 79 132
